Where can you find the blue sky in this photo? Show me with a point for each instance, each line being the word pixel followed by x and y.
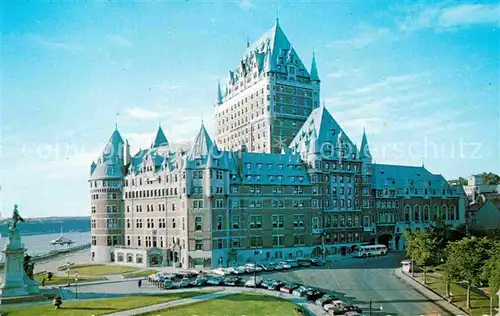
pixel 422 77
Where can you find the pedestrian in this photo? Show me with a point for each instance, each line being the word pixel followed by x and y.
pixel 139 283
pixel 43 282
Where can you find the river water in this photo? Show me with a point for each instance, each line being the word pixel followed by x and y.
pixel 40 244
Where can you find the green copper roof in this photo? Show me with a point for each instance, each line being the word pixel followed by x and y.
pixel 314 69
pixel 160 139
pixel 364 151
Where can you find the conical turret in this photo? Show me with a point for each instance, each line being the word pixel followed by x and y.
pixel 219 93
pixel 314 70
pixel 160 139
pixel 364 151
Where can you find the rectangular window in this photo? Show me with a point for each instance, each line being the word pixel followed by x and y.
pixel 198 223
pixel 198 244
pixel 278 221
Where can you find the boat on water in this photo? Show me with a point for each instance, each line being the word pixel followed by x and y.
pixel 62 241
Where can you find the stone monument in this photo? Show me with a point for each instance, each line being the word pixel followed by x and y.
pixel 18 273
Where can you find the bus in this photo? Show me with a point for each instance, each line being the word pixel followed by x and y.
pixel 371 251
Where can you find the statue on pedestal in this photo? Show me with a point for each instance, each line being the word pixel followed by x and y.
pixel 18 270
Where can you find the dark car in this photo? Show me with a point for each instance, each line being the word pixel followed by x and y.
pixel 289 287
pixel 232 281
pixel 199 281
pixel 276 285
pixel 325 299
pixel 314 294
pixel 215 280
pixel 185 283
pixel 318 262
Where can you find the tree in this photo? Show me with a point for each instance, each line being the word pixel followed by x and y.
pixel 491 270
pixel 490 178
pixel 465 260
pixel 421 246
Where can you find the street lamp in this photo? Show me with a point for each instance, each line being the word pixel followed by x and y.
pixel 256 252
pixel 370 308
pixel 76 285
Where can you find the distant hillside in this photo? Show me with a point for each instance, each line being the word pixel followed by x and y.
pixel 48 225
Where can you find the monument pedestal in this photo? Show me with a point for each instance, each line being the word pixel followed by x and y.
pixel 16 284
pixel 13 283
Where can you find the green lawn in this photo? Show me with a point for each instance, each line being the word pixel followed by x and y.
pixel 142 273
pixel 480 305
pixel 98 307
pixel 59 279
pixel 235 304
pixel 98 269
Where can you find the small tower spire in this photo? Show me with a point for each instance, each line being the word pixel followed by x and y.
pixel 314 69
pixel 219 93
pixel 248 42
pixel 277 18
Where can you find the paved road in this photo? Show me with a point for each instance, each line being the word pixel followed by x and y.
pixel 360 280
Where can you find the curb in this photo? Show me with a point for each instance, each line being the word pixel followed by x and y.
pixel 102 282
pixel 429 294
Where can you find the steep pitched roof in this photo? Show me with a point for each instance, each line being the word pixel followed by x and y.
pixel 326 129
pixel 364 150
pixel 314 70
pixel 160 139
pixel 202 145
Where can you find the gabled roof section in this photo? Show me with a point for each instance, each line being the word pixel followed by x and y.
pixel 202 146
pixel 364 151
pixel 326 129
pixel 160 139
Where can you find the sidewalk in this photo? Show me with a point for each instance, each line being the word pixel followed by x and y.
pixel 431 295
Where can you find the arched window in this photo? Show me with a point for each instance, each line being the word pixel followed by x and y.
pixel 417 213
pixel 435 212
pixel 444 212
pixel 453 213
pixel 426 213
pixel 407 213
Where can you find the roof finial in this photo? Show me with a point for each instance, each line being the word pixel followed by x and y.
pixel 423 163
pixel 277 17
pixel 116 122
pixel 248 42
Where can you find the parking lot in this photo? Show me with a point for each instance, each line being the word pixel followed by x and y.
pixel 358 280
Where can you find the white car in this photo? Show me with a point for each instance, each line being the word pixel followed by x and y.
pixel 253 282
pixel 254 267
pixel 285 265
pixel 237 271
pixel 219 271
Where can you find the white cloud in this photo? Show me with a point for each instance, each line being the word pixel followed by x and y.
pixel 54 44
pixel 119 40
pixel 140 113
pixel 365 36
pixel 246 5
pixel 335 75
pixel 443 16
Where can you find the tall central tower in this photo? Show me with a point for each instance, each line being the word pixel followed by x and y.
pixel 268 96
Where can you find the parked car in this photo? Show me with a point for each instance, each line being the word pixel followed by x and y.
pixel 220 271
pixel 277 266
pixel 314 294
pixel 185 283
pixel 304 263
pixel 289 287
pixel 286 265
pixel 167 284
pixel 336 304
pixel 293 263
pixel 318 262
pixel 236 271
pixel 300 291
pixel 266 267
pixel 276 285
pixel 215 280
pixel 253 282
pixel 254 266
pixel 199 281
pixel 232 281
pixel 266 283
pixel 325 299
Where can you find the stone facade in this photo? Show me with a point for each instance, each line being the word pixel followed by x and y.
pixel 238 200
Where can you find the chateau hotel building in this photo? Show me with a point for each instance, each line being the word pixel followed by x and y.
pixel 282 180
